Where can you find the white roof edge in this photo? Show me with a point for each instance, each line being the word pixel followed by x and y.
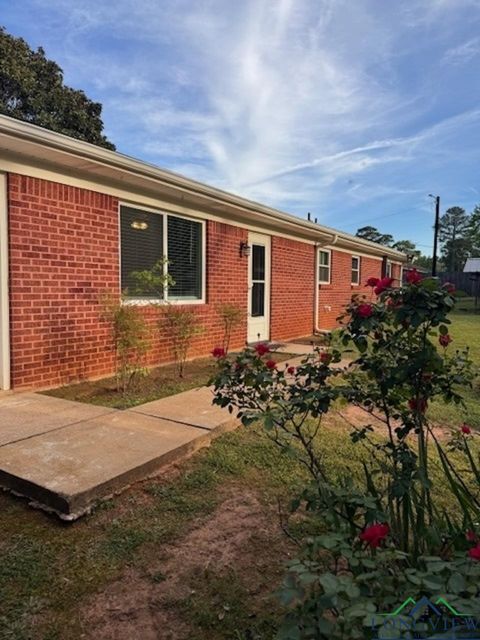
pixel 38 135
pixel 472 265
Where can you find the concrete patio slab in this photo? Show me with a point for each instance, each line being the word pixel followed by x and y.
pixel 192 408
pixel 23 415
pixel 69 469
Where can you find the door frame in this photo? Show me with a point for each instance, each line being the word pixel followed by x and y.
pixel 266 241
pixel 4 291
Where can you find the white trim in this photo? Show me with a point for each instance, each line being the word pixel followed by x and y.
pixel 133 198
pixel 166 300
pixel 351 252
pixel 389 269
pixel 4 284
pixel 359 270
pixel 329 251
pixel 266 241
pixel 130 170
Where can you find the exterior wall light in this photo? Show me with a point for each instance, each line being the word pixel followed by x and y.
pixel 139 225
pixel 245 249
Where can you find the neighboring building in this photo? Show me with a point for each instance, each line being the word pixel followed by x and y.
pixel 472 265
pixel 76 219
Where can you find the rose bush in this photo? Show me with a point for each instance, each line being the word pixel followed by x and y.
pixel 402 513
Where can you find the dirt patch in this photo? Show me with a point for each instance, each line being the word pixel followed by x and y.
pixel 139 605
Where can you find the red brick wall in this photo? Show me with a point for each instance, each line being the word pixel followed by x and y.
pixel 333 297
pixel 63 251
pixel 63 255
pixel 292 293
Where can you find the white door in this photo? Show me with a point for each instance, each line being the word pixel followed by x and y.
pixel 258 288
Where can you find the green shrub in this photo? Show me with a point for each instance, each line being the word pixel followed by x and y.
pixel 388 527
pixel 130 337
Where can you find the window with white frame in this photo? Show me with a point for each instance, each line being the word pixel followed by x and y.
pixel 355 269
pixel 388 269
pixel 149 239
pixel 324 266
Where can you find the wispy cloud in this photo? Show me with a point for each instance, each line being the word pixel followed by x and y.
pixel 463 52
pixel 330 106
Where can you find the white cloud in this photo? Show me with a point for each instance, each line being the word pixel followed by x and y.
pixel 283 101
pixel 462 53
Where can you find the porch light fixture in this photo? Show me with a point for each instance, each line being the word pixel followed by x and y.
pixel 245 249
pixel 140 225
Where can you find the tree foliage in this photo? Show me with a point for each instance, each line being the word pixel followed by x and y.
pixel 455 238
pixel 374 235
pixel 32 90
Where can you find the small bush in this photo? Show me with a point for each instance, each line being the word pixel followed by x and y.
pixel 182 325
pixel 130 338
pixel 231 315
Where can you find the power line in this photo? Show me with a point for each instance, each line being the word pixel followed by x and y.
pixel 390 215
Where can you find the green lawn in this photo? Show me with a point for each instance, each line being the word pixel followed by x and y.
pixel 465 330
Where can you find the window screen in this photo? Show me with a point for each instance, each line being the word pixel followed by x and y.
pixel 324 266
pixel 185 258
pixel 141 246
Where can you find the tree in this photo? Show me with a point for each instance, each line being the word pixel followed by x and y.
pixel 407 247
pixel 474 231
pixel 32 89
pixel 456 246
pixel 374 235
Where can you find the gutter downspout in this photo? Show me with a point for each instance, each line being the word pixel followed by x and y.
pixel 316 297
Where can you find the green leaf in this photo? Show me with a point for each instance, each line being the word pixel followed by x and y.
pixel 329 582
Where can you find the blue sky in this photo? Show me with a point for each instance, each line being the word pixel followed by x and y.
pixel 352 110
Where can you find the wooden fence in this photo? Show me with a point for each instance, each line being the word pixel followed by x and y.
pixel 468 282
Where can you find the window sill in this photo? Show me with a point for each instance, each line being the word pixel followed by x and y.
pixel 145 302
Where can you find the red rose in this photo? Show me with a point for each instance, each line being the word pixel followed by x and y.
pixel 365 310
pixel 466 429
pixel 474 553
pixel 375 534
pixel 372 282
pixel 449 287
pixel 445 340
pixel 291 370
pixel 471 536
pixel 262 349
pixel 383 285
pixel 419 404
pixel 218 352
pixel 271 364
pixel 413 277
pixel 326 358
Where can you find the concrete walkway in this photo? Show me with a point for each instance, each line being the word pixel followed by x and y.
pixel 65 456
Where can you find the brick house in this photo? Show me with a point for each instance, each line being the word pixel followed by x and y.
pixel 76 220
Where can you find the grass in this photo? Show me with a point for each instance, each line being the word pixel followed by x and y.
pixel 465 330
pixel 159 382
pixel 50 571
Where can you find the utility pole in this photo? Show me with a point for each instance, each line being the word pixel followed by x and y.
pixel 435 234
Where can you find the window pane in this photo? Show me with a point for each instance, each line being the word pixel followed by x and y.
pixel 258 299
pixel 141 235
pixel 324 274
pixel 185 258
pixel 355 263
pixel 258 262
pixel 324 258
